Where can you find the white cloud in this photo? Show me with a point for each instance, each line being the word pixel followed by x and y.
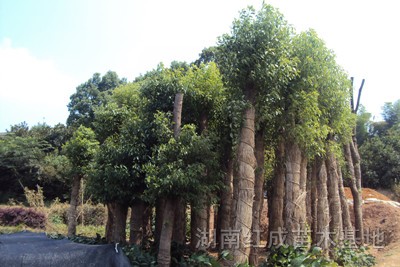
pixel 31 89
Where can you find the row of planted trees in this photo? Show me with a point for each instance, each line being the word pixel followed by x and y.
pixel 201 138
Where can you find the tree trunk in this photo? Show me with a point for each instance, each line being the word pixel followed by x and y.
pixel 164 250
pixel 110 223
pixel 314 201
pixel 72 213
pixel 335 210
pixel 293 195
pixel 179 233
pixel 258 197
pixel 355 188
pixel 198 226
pixel 160 207
pixel 275 208
pixel 138 213
pixel 117 229
pixel 302 199
pixel 168 217
pixel 347 226
pixel 199 222
pixel 322 234
pixel 244 194
pixel 225 208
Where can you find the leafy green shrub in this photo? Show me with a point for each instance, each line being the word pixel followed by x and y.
pixel 58 213
pixel 138 257
pixel 296 256
pixel 92 214
pixel 349 257
pixel 13 216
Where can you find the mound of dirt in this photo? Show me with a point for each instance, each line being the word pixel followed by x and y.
pixel 381 221
pixel 366 193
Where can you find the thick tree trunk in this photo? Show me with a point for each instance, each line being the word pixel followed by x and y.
pixel 199 226
pixel 168 217
pixel 160 206
pixel 72 213
pixel 302 199
pixel 110 223
pixel 164 249
pixel 179 233
pixel 199 222
pixel 322 234
pixel 244 193
pixel 294 197
pixel 347 226
pixel 335 210
pixel 314 201
pixel 355 187
pixel 225 208
pixel 275 204
pixel 211 212
pixel 117 229
pixel 137 226
pixel 258 197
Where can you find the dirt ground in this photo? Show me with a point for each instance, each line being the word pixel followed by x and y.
pixel 381 226
pixel 366 193
pixel 381 223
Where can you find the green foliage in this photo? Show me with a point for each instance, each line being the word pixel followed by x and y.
pixel 391 113
pixel 257 51
pixel 296 257
pixel 185 167
pixel 204 94
pixel 363 125
pixel 119 174
pixel 352 257
pixel 139 257
pixel 20 162
pixel 380 163
pixel 81 149
pixel 91 94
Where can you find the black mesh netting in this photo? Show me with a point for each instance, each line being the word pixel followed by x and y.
pixel 37 250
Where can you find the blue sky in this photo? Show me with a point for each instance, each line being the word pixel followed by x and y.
pixel 48 47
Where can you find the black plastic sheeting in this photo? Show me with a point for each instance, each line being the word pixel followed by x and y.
pixel 37 250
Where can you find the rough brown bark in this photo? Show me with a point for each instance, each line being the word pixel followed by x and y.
pixel 347 226
pixel 258 197
pixel 275 205
pixel 72 213
pixel 314 201
pixel 302 199
pixel 322 234
pixel 244 193
pixel 179 233
pixel 200 214
pixel 177 113
pixel 164 249
pixel 198 225
pixel 335 209
pixel 355 187
pixel 308 197
pixel 160 206
pixel 225 208
pixel 294 197
pixel 168 217
pixel 211 218
pixel 117 229
pixel 110 223
pixel 137 228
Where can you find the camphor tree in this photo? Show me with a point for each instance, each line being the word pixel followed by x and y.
pixel 254 60
pixel 80 151
pixel 89 95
